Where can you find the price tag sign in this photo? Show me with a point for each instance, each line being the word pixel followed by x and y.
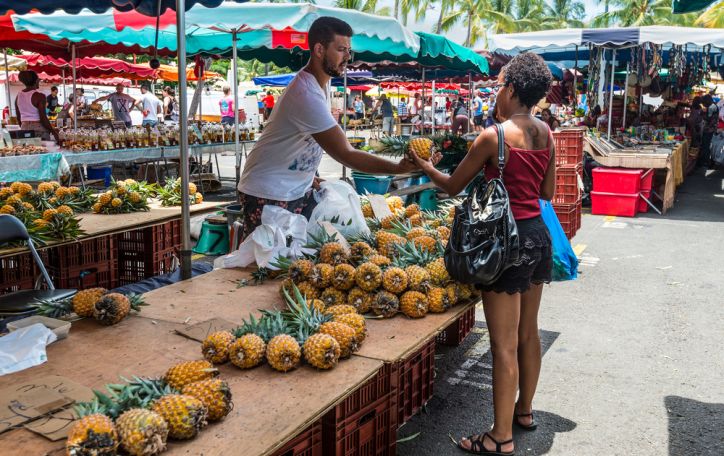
pixel 379 206
pixel 331 230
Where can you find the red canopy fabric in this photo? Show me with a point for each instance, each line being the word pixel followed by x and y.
pixel 58 79
pixel 89 67
pixel 418 86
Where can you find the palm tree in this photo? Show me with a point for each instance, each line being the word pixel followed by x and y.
pixel 365 6
pixel 476 15
pixel 518 16
pixel 565 14
pixel 633 13
pixel 712 18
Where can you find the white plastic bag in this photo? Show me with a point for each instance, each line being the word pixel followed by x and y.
pixel 338 204
pixel 24 348
pixel 717 149
pixel 269 240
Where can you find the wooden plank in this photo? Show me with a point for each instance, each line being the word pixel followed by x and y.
pixel 412 189
pixel 394 339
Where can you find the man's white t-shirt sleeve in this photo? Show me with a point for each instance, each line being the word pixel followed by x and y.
pixel 310 114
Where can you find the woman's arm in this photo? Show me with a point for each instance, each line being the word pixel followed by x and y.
pixel 476 158
pixel 17 113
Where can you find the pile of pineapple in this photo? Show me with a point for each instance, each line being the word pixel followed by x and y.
pixel 398 268
pixel 48 211
pixel 170 194
pixel 122 197
pixel 97 303
pixel 140 414
pixel 307 330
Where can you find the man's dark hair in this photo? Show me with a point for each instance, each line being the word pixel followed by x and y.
pixel 707 100
pixel 325 28
pixel 28 78
pixel 530 77
pixel 54 88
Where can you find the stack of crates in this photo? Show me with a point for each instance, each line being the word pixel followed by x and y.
pixel 567 201
pixel 620 191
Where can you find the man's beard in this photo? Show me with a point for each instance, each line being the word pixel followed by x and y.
pixel 329 69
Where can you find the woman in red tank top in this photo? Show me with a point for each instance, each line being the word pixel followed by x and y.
pixel 511 303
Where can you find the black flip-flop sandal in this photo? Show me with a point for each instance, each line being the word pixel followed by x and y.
pixel 531 427
pixel 477 447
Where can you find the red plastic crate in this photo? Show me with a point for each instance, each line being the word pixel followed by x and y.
pixel 84 264
pixel 567 189
pixel 412 380
pixel 147 252
pixel 308 443
pixel 456 333
pixel 17 272
pixel 567 216
pixel 643 205
pixel 569 146
pixel 619 180
pixel 619 204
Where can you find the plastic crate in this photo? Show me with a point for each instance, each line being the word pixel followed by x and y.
pixel 147 252
pixel 456 333
pixel 372 431
pixel 579 210
pixel 307 443
pixel 567 188
pixel 567 216
pixel 17 272
pixel 624 205
pixel 619 180
pixel 569 146
pixel 84 264
pixel 412 380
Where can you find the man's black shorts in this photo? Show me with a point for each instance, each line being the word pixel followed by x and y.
pixel 478 120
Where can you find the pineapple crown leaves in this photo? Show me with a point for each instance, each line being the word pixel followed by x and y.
pixel 281 263
pixel 272 324
pixel 251 326
pixel 303 319
pixel 318 240
pixel 90 407
pixel 138 392
pixel 410 254
pixel 368 238
pixel 54 309
pixel 401 227
pixel 260 274
pixel 136 301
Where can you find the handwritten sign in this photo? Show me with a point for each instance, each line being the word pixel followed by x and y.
pixel 379 206
pixel 331 230
pixel 200 331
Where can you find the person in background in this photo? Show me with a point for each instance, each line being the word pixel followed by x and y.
pixel 51 101
pixel 80 101
pixel 121 104
pixel 268 104
pixel 170 105
pixel 448 104
pixel 512 302
pixel 592 117
pixel 30 106
pixel 402 111
pixel 385 107
pixel 151 106
pixel 226 107
pixel 478 111
pixel 460 118
pixel 359 108
pixel 710 114
pixel 66 112
pixel 547 117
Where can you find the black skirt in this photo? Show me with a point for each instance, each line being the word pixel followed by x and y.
pixel 535 262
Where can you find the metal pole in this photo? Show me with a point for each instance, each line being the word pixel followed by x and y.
pixel 344 118
pixel 65 94
pixel 422 108
pixel 75 98
pixel 625 90
pixel 235 81
pixel 7 82
pixel 575 83
pixel 185 252
pixel 610 96
pixel 432 107
pixel 470 95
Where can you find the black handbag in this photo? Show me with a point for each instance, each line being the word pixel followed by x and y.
pixel 484 237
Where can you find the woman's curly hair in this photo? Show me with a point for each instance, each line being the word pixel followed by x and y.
pixel 530 77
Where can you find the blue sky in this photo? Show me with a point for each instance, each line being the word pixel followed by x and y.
pixel 593 7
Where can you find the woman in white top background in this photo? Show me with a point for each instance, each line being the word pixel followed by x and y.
pixel 30 106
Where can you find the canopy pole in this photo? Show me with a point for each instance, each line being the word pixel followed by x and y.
pixel 610 93
pixel 7 83
pixel 575 84
pixel 65 94
pixel 625 90
pixel 432 106
pixel 422 112
pixel 183 141
pixel 235 81
pixel 470 97
pixel 344 117
pixel 75 101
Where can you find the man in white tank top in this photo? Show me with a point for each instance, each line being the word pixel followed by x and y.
pixel 30 105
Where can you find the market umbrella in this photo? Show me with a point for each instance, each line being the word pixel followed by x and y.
pixel 689 6
pixel 170 73
pixel 90 67
pixel 147 7
pixel 58 79
pixel 283 80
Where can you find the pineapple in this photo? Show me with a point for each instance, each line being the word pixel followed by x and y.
pixel 443 233
pixel 425 243
pixel 386 304
pixel 332 297
pixel 286 284
pixel 394 280
pixel 63 209
pixel 359 251
pixel 114 307
pixel 105 198
pixel 321 275
pixel 322 351
pixel 340 309
pixel 380 260
pixel 367 209
pixel 135 197
pixel 416 220
pixel 247 351
pixel 464 291
pixel 452 292
pixel 7 209
pixel 215 394
pixel 192 188
pixel 300 270
pixel 48 214
pixel 368 276
pixel 419 278
pixel 283 353
pixel 360 300
pixel 142 432
pixel 94 434
pixel 187 372
pixel 344 334
pixel 332 253
pixel 422 147
pixel 308 290
pixel 344 277
pixel 97 208
pixel 412 209
pixel 387 241
pixel 317 304
pixel 116 202
pixel 198 198
pixel 438 300
pixel 388 222
pixel 438 272
pixel 185 415
pixel 415 232
pixel 395 203
pixel 85 300
pixel 414 304
pixel 215 347
pixel 356 322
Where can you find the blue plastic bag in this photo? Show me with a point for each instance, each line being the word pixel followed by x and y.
pixel 565 262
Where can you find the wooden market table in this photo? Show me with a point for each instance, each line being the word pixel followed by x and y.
pixel 270 408
pixel 674 162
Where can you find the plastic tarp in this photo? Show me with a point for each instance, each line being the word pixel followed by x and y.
pixel 146 7
pixel 170 73
pixel 32 167
pixel 152 283
pixel 58 79
pixel 283 80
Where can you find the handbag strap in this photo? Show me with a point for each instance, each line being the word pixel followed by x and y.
pixel 501 148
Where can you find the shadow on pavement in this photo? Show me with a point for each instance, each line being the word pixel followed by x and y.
pixel 463 403
pixel 696 199
pixel 695 427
